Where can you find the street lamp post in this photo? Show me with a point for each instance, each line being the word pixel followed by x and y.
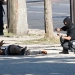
pixel 72 10
pixel 8 5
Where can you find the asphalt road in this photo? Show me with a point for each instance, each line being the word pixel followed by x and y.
pixel 35 13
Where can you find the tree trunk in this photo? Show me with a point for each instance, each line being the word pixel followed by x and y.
pixel 17 17
pixel 48 19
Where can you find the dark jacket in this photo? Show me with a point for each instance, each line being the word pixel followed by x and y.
pixel 69 27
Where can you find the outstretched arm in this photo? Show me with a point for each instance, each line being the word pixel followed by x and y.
pixel 58 29
pixel 1 43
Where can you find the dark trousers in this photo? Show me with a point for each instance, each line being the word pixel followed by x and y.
pixel 1 22
pixel 1 25
pixel 65 44
pixel 29 52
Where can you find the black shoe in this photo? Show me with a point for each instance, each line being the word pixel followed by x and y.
pixel 23 50
pixel 63 53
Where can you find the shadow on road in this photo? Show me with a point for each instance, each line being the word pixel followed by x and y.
pixel 35 65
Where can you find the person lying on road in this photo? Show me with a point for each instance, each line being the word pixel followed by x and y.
pixel 18 50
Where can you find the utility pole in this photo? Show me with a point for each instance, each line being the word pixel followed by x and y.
pixel 72 10
pixel 48 19
pixel 17 17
